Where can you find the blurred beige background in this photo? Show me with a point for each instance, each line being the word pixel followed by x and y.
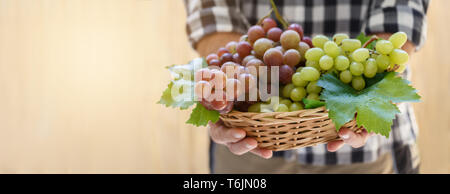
pixel 79 82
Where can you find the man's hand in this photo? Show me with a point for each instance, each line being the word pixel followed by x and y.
pixel 356 140
pixel 235 140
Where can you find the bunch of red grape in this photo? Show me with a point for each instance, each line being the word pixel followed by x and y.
pixel 234 71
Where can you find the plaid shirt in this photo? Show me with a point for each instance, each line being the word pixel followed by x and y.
pixel 328 17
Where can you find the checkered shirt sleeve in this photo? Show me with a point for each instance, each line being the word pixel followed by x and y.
pixel 399 15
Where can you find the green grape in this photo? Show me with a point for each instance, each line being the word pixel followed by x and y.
pixel 302 83
pixel 360 55
pixel 298 94
pixel 380 70
pixel 313 96
pixel 326 62
pixel 332 71
pixel 358 83
pixel 341 52
pixel 371 68
pixel 398 39
pixel 319 40
pixel 338 38
pixel 273 99
pixel 313 88
pixel 349 45
pixel 286 91
pixel 281 108
pixel 399 57
pixel 356 68
pixel 298 81
pixel 274 105
pixel 346 76
pixel 331 49
pixel 266 110
pixel 286 102
pixel 314 64
pixel 384 47
pixel 299 69
pixel 314 54
pixel 401 68
pixel 255 107
pixel 310 74
pixel 342 63
pixel 383 62
pixel 296 106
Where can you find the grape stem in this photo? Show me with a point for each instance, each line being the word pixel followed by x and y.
pixel 262 19
pixel 373 38
pixel 394 68
pixel 278 16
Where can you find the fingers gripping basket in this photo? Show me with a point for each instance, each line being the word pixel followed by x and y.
pixel 279 131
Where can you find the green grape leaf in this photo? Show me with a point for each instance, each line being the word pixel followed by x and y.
pixel 395 89
pixel 376 116
pixel 363 38
pixel 200 116
pixel 183 91
pixel 166 98
pixel 311 104
pixel 179 93
pixel 373 105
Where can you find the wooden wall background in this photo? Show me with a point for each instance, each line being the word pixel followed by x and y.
pixel 79 81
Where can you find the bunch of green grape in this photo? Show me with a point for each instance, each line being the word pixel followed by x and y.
pixel 345 57
pixel 350 61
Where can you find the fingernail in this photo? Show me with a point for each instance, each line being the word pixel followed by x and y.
pixel 345 136
pixel 249 146
pixel 238 135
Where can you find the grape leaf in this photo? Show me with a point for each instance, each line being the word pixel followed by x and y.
pixel 184 100
pixel 166 98
pixel 179 93
pixel 374 104
pixel 200 116
pixel 363 38
pixel 310 104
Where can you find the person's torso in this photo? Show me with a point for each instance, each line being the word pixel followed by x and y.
pixel 326 17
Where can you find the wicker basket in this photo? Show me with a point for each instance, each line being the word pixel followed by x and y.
pixel 290 130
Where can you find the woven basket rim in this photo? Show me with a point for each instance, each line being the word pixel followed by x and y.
pixel 255 115
pixel 279 131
